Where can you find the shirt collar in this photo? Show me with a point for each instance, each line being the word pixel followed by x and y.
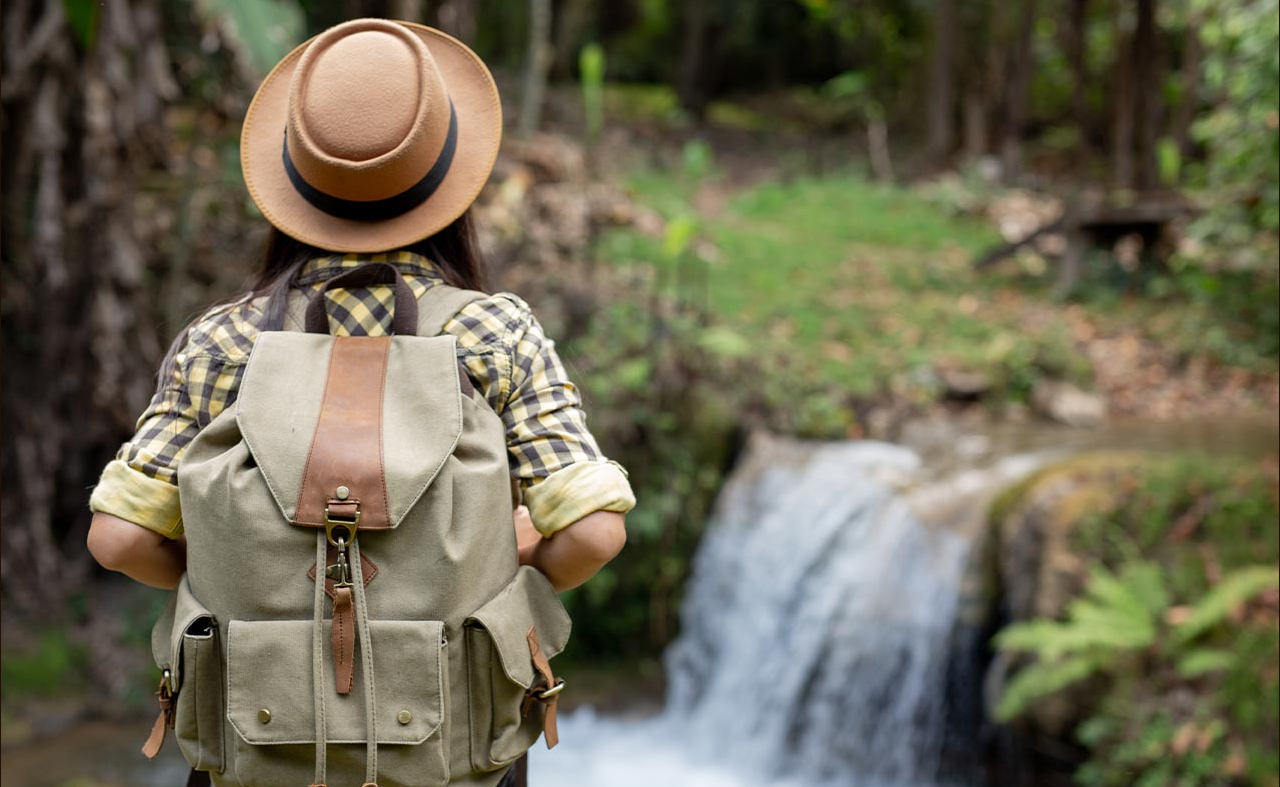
pixel 319 269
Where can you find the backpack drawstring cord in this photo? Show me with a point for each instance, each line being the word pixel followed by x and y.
pixel 366 664
pixel 317 659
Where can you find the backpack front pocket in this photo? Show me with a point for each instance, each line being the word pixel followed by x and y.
pixel 270 704
pixel 500 670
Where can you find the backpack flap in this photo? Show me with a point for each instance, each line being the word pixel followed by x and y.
pixel 375 418
pixel 179 613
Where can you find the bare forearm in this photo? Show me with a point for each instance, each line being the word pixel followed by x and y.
pixel 573 555
pixel 136 552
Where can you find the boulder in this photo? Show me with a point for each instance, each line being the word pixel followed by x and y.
pixel 1065 403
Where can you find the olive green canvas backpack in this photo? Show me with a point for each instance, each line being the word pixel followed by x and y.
pixel 369 464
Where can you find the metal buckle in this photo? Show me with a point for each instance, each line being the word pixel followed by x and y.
pixel 349 525
pixel 551 692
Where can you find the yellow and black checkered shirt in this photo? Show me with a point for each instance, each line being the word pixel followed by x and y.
pixel 500 344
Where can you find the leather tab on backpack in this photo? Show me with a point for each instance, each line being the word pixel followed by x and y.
pixel 549 730
pixel 164 720
pixel 343 640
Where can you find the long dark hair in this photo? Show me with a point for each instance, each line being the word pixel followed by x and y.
pixel 454 251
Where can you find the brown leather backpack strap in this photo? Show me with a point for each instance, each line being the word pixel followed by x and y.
pixel 344 468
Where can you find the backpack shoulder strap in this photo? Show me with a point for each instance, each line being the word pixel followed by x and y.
pixel 439 304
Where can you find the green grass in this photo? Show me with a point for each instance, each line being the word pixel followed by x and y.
pixel 846 289
pixel 842 287
pixel 48 666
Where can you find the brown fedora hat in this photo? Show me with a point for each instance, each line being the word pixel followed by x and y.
pixel 370 136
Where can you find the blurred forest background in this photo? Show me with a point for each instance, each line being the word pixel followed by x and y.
pixel 821 218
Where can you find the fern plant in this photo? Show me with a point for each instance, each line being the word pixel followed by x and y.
pixel 1127 631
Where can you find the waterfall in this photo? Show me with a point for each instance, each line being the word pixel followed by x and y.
pixel 817 630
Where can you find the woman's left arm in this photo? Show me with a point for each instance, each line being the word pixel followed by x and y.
pixel 572 555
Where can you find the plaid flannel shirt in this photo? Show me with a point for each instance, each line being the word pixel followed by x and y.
pixel 511 362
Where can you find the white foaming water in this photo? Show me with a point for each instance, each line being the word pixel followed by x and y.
pixel 815 632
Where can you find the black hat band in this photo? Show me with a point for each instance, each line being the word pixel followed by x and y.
pixel 379 209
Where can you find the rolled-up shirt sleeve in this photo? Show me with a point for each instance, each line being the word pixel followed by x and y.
pixel 572 492
pixel 129 494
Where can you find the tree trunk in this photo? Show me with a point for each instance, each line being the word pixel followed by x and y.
pixel 408 10
pixel 1146 88
pixel 941 82
pixel 1077 29
pixel 691 79
pixel 82 118
pixel 536 66
pixel 1190 78
pixel 1020 65
pixel 878 148
pixel 458 19
pixel 975 124
pixel 569 26
pixel 1122 103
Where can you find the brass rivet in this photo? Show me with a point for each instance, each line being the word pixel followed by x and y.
pixel 404 717
pixel 264 716
pixel 343 493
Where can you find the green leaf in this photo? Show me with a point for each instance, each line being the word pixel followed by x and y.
pixel 1234 589
pixel 263 30
pixel 725 342
pixel 82 15
pixel 696 158
pixel 591 72
pixel 1039 680
pixel 676 238
pixel 1205 660
pixel 1169 160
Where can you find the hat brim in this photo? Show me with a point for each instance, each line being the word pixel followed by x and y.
pixel 479 113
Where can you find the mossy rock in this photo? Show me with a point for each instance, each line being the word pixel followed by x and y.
pixel 1196 515
pixel 1040 567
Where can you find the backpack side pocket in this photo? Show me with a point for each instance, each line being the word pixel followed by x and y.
pixel 500 669
pixel 198 714
pixel 196 656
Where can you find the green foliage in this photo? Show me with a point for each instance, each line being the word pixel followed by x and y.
pixel 591 72
pixel 1229 262
pixel 1117 616
pixel 50 666
pixel 83 18
pixel 1168 654
pixel 1228 595
pixel 848 289
pixel 1241 71
pixel 266 30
